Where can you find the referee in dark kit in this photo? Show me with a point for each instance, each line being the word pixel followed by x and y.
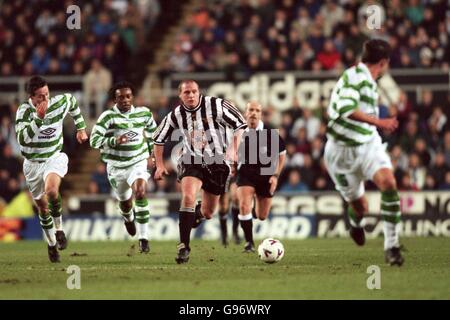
pixel 261 158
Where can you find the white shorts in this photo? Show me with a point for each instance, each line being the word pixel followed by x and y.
pixel 121 180
pixel 349 167
pixel 36 172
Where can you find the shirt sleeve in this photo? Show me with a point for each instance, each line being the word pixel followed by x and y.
pixel 165 129
pixel 98 137
pixel 75 112
pixel 26 125
pixel 231 116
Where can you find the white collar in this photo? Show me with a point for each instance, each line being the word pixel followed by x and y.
pixel 31 103
pixel 196 107
pixel 260 126
pixel 116 108
pixel 366 70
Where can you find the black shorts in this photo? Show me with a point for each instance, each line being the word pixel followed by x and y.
pixel 213 176
pixel 259 182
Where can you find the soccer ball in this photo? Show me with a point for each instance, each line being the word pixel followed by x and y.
pixel 271 250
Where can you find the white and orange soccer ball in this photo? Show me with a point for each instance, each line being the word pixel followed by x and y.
pixel 271 250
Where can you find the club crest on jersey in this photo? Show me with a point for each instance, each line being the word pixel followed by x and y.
pixel 198 139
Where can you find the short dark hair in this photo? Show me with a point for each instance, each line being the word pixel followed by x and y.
pixel 375 50
pixel 121 85
pixel 35 83
pixel 187 81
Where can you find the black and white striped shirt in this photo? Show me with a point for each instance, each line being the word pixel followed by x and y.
pixel 202 129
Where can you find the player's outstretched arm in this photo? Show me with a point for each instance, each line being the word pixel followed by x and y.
pixel 274 178
pixel 150 129
pixel 160 168
pixel 389 124
pixel 98 139
pixel 75 112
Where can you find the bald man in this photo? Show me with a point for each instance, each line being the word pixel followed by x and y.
pixel 262 154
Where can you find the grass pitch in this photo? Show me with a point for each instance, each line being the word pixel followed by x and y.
pixel 310 269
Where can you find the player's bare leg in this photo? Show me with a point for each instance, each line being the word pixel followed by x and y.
pixel 245 196
pixel 141 213
pixel 126 210
pixel 235 213
pixel 189 188
pixel 390 213
pixel 46 221
pixel 209 204
pixel 262 207
pixel 51 187
pixel 224 205
pixel 356 211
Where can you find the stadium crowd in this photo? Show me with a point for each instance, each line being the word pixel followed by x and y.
pixel 35 39
pixel 234 36
pixel 266 35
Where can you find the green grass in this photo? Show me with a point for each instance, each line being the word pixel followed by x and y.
pixel 311 269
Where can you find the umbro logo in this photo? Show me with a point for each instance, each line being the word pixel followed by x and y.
pixel 48 131
pixel 131 134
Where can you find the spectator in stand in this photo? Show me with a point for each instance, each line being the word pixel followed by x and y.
pixel 399 157
pixel 430 183
pixel 438 119
pixel 8 134
pixel 45 22
pixel 403 107
pixel 332 14
pixel 294 159
pixel 40 60
pixel 9 162
pixel 438 168
pixel 425 108
pixel 416 171
pixel 408 137
pixel 446 147
pixel 10 173
pixel 446 184
pixel 96 84
pixel 307 171
pixel 422 151
pixel 99 180
pixel 308 121
pixel 414 12
pixel 294 183
pixel 406 183
pixel 329 56
pixel 179 60
pixel 103 27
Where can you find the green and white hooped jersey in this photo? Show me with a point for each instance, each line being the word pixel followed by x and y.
pixel 137 124
pixel 40 139
pixel 355 90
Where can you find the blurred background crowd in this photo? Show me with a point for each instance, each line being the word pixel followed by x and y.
pixel 236 36
pixel 313 35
